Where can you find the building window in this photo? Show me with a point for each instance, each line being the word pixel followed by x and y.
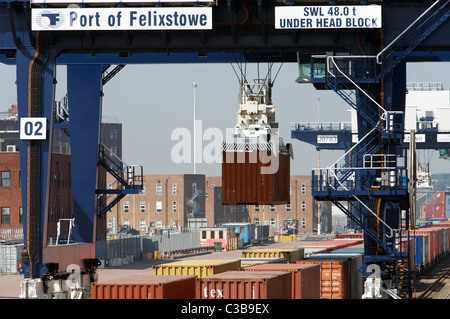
pixel 113 134
pixel 20 215
pixel 256 208
pixel 303 189
pixel 303 206
pixel 158 189
pixel 256 220
pixel 142 225
pixel 213 234
pixel 6 179
pixel 220 234
pixel 143 190
pixel 203 234
pixel 112 225
pixel 174 189
pixel 174 207
pixel 159 207
pixel 126 222
pixel 272 208
pixel 142 207
pixel 303 222
pixel 288 207
pixel 126 207
pixel 6 215
pixel 158 223
pixel 272 221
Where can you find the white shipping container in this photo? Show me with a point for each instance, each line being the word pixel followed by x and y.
pixel 8 259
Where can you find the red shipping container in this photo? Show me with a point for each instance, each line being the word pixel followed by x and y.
pixel 245 285
pixel 306 280
pixel 146 287
pixel 439 198
pixel 442 224
pixel 255 178
pixel 429 211
pixel 439 211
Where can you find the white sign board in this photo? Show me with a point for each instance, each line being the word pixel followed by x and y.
pixel 82 19
pixel 328 17
pixel 33 128
pixel 420 138
pixel 443 138
pixel 327 139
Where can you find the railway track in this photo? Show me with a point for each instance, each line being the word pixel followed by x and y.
pixel 435 281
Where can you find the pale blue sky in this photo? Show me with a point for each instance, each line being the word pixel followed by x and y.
pixel 152 100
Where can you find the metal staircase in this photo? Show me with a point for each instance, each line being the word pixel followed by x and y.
pixel 368 174
pixel 428 22
pixel 129 179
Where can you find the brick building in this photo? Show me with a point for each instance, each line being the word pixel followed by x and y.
pixel 166 201
pixel 216 213
pixel 10 191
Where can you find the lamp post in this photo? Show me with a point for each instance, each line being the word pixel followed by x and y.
pixel 194 85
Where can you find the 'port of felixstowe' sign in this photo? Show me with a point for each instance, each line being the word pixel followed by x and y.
pixel 328 17
pixel 82 19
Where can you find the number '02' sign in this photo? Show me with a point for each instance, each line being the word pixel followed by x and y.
pixel 33 128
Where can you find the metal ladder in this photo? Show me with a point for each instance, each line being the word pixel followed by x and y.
pixel 129 178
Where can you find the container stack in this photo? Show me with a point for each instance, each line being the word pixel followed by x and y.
pixel 324 270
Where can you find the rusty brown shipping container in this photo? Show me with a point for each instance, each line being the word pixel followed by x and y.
pixel 255 178
pixel 146 287
pixel 340 276
pixel 245 285
pixel 305 278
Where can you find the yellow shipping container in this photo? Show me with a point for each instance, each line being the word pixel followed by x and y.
pixel 199 268
pixel 291 254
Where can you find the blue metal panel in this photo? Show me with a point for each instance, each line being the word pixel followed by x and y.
pixel 84 94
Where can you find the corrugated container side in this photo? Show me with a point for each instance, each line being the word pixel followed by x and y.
pixel 146 287
pixel 199 268
pixel 291 254
pixel 419 257
pixel 335 244
pixel 305 278
pixel 440 198
pixel 243 181
pixel 439 211
pixel 340 276
pixel 9 259
pixel 245 285
pixel 410 244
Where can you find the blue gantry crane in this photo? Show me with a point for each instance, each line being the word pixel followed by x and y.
pixel 360 56
pixel 370 182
